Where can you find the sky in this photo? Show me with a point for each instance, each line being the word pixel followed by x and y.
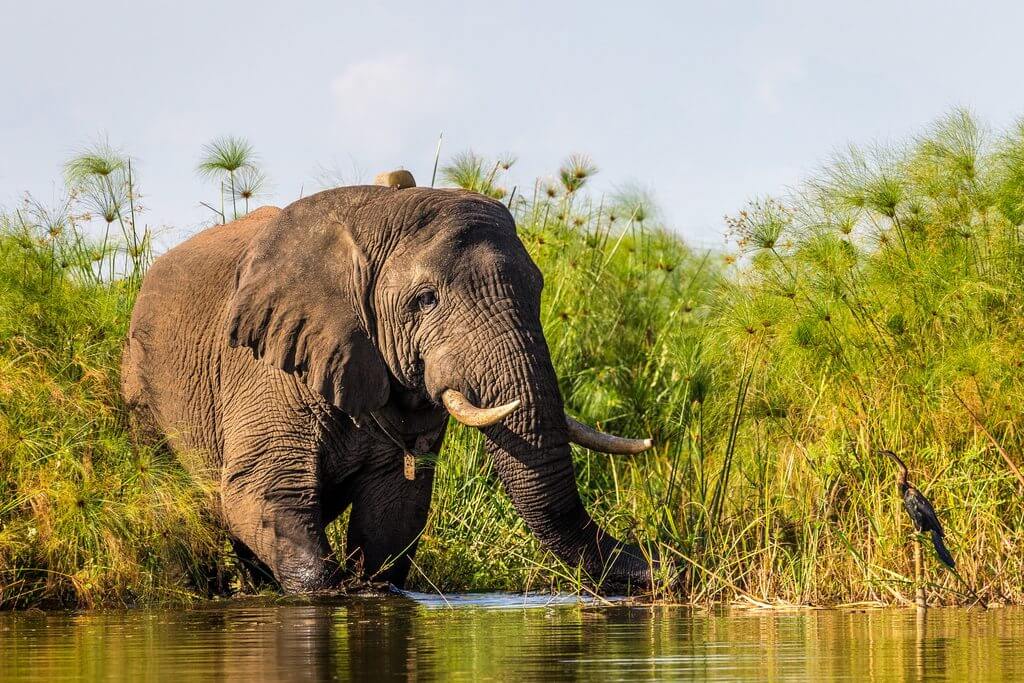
pixel 707 104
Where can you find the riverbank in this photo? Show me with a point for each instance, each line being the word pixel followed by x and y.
pixel 877 306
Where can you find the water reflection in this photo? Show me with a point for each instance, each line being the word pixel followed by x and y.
pixel 409 639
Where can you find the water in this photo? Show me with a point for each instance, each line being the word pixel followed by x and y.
pixel 500 637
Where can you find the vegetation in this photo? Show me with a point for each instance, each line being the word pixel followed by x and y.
pixel 85 517
pixel 879 305
pixel 232 159
pixel 472 172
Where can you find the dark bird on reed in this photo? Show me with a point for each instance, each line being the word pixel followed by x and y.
pixel 921 512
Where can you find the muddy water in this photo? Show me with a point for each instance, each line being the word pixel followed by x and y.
pixel 498 637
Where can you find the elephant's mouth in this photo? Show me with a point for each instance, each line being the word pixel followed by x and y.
pixel 463 410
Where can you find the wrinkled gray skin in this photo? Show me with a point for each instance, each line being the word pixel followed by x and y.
pixel 260 348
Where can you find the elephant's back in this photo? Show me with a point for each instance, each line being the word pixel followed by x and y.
pixel 176 338
pixel 205 263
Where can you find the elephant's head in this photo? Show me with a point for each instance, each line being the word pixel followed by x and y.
pixel 369 292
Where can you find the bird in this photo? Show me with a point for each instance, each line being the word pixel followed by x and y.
pixel 921 512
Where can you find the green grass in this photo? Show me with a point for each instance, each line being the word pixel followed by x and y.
pixel 85 517
pixel 878 305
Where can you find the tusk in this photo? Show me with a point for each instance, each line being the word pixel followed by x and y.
pixel 588 437
pixel 470 415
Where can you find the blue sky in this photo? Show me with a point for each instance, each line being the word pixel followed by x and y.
pixel 708 104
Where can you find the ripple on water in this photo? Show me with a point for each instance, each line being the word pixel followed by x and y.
pixel 498 636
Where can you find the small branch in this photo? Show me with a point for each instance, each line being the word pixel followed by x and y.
pixel 432 584
pixel 992 439
pixel 919 596
pixel 437 156
pixel 219 213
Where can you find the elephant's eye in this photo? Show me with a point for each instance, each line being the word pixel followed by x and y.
pixel 426 300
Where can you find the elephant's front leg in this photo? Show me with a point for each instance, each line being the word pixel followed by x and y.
pixel 271 503
pixel 388 515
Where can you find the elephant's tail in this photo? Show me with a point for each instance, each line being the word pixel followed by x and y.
pixel 141 425
pixel 131 387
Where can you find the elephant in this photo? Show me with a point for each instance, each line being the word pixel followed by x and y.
pixel 303 359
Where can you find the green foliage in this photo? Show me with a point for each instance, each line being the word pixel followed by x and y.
pixel 575 172
pixel 100 184
pixel 86 518
pixel 250 184
pixel 232 159
pixel 472 172
pixel 225 155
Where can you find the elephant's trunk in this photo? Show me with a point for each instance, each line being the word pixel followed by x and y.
pixel 530 449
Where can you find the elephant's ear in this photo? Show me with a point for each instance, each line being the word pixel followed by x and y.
pixel 302 304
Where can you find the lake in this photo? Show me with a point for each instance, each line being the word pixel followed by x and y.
pixel 502 637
